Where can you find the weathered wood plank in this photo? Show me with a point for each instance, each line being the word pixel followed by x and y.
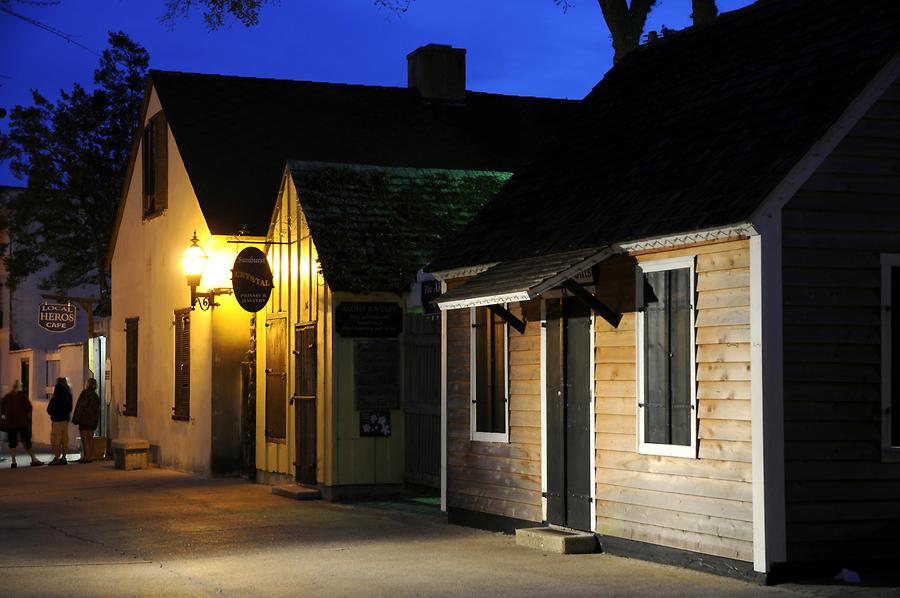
pixel 616 406
pixel 723 371
pixel 463 475
pixel 719 470
pixel 679 484
pixel 697 249
pixel 726 316
pixel 723 279
pixel 723 389
pixel 724 409
pixel 724 260
pixel 724 429
pixel 725 450
pixel 616 442
pixel 724 547
pixel 724 298
pixel 729 352
pixel 616 424
pixel 504 493
pixel 711 335
pixel 617 371
pixel 495 506
pixel 616 354
pixel 712 507
pixel 677 520
pixel 510 466
pixel 616 388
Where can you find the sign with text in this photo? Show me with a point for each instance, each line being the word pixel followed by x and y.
pixel 56 317
pixel 251 279
pixel 431 290
pixel 369 319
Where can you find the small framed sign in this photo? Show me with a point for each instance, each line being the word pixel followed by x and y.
pixel 374 423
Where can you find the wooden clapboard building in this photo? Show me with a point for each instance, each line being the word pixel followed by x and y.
pixel 347 336
pixel 674 329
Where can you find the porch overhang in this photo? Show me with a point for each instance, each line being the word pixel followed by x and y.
pixel 522 279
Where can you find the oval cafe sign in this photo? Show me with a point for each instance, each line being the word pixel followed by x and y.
pixel 251 279
pixel 56 317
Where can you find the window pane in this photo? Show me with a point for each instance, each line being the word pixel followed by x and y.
pixel 680 355
pixel 490 372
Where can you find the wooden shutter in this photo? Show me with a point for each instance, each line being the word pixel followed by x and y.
pixel 498 374
pixel 182 408
pixel 667 357
pixel 155 163
pixel 656 358
pixel 131 366
pixel 276 387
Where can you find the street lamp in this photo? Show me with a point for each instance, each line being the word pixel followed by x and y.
pixel 193 262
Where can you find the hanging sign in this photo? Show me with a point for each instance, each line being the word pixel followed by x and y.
pixel 431 290
pixel 56 317
pixel 251 279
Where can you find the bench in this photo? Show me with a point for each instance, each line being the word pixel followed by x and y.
pixel 131 453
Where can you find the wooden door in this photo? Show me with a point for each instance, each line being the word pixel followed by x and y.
pixel 276 378
pixel 569 459
pixel 305 402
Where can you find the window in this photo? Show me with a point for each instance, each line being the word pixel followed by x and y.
pixel 489 414
pixel 182 408
pixel 131 366
pixel 890 359
pixel 155 146
pixel 665 336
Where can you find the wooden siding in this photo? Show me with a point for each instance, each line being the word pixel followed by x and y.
pixel 492 477
pixel 704 504
pixel 842 501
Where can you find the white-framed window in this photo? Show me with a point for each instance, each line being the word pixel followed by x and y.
pixel 489 377
pixel 890 359
pixel 666 370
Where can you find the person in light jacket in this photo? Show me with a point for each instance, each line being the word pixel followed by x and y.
pixel 86 417
pixel 59 409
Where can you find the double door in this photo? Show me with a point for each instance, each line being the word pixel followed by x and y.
pixel 569 412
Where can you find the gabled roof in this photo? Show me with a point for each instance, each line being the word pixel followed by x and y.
pixel 235 134
pixel 374 227
pixel 691 132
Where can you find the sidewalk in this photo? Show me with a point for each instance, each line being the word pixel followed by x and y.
pixel 91 530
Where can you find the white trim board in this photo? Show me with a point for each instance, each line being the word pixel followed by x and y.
pixel 474 434
pixel 444 317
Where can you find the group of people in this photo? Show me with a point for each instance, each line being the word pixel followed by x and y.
pixel 16 418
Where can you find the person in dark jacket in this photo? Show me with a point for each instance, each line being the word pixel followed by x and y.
pixel 15 419
pixel 60 408
pixel 86 417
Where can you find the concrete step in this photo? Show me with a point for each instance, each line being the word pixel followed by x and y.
pixel 557 541
pixel 297 492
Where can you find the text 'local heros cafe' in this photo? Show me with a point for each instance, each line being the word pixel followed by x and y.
pixel 56 317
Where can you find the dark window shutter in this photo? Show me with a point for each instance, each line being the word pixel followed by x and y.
pixel 131 366
pixel 498 374
pixel 155 163
pixel 182 409
pixel 161 161
pixel 656 359
pixel 305 362
pixel 667 357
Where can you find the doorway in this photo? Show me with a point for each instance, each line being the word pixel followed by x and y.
pixel 276 378
pixel 305 402
pixel 568 379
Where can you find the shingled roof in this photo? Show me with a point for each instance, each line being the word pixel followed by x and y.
pixel 235 134
pixel 375 227
pixel 690 132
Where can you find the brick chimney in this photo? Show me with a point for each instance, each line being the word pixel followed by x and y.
pixel 438 72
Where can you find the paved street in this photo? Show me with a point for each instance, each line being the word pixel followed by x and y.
pixel 89 530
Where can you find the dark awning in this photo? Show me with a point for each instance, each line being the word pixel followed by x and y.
pixel 522 279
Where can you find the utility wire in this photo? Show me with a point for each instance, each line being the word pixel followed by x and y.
pixel 4 7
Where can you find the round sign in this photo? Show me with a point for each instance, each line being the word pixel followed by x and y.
pixel 251 279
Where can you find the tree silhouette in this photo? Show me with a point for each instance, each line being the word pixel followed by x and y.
pixel 73 154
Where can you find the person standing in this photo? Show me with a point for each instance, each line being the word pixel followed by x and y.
pixel 60 408
pixel 86 417
pixel 15 419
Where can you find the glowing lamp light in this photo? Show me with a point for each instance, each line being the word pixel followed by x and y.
pixel 193 262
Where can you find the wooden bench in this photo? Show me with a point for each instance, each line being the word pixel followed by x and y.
pixel 131 453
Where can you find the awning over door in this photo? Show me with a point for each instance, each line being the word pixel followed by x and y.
pixel 523 279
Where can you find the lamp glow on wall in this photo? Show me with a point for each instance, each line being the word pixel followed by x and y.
pixel 193 262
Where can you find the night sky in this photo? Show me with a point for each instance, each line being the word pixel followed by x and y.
pixel 521 47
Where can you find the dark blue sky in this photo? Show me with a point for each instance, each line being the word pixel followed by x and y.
pixel 523 47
